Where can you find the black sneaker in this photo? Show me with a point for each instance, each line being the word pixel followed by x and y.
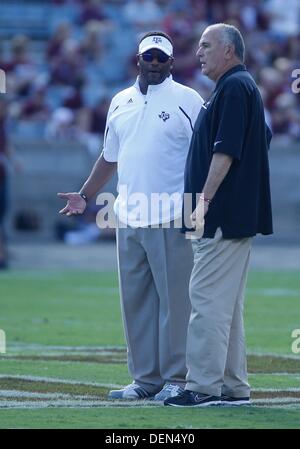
pixel 193 399
pixel 229 400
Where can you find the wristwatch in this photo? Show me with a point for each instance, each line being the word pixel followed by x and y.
pixel 84 197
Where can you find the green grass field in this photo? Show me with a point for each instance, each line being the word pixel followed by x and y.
pixel 65 349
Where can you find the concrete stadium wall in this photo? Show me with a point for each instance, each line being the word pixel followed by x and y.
pixel 285 188
pixel 50 168
pixel 46 170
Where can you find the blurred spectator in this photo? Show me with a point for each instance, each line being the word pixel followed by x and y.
pixel 20 67
pixel 97 118
pixel 142 14
pixel 286 121
pixel 67 67
pixel 73 97
pixel 92 123
pixel 284 17
pixel 62 126
pixel 56 42
pixel 180 24
pixel 35 107
pixel 271 81
pixel 91 44
pixel 91 10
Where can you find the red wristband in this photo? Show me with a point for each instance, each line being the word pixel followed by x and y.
pixel 207 200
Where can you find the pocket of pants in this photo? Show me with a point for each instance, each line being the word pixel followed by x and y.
pixel 198 244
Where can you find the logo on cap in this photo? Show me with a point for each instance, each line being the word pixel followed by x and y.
pixel 157 40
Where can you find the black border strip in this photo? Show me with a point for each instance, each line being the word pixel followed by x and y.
pixel 189 119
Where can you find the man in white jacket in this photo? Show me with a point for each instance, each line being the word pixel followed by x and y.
pixel 147 136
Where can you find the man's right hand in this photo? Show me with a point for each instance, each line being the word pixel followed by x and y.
pixel 75 204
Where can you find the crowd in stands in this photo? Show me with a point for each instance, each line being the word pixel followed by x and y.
pixel 59 84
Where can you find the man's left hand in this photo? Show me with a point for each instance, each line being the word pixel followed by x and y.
pixel 197 217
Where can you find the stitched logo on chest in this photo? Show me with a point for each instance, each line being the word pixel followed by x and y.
pixel 164 116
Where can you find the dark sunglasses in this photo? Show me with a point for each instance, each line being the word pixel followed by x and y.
pixel 161 57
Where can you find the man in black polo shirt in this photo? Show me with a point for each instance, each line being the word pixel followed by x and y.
pixel 227 174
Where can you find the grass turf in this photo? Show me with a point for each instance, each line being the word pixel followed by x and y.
pixel 151 418
pixel 75 308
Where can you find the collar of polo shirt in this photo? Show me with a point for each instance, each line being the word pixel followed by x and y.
pixel 159 42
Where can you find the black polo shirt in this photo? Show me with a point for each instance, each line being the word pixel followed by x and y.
pixel 232 122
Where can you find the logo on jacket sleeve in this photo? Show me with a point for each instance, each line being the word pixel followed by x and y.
pixel 164 116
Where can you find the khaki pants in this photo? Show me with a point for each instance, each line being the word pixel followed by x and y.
pixel 216 355
pixel 154 272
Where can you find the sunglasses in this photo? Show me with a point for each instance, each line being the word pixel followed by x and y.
pixel 149 57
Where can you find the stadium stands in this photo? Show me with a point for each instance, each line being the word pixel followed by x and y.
pixel 90 45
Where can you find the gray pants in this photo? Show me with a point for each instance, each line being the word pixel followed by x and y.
pixel 216 355
pixel 154 272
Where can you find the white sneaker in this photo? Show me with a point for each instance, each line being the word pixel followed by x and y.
pixel 131 391
pixel 168 391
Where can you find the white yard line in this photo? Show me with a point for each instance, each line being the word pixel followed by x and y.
pixel 281 400
pixel 44 404
pixel 76 403
pixel 285 402
pixel 31 395
pixel 275 355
